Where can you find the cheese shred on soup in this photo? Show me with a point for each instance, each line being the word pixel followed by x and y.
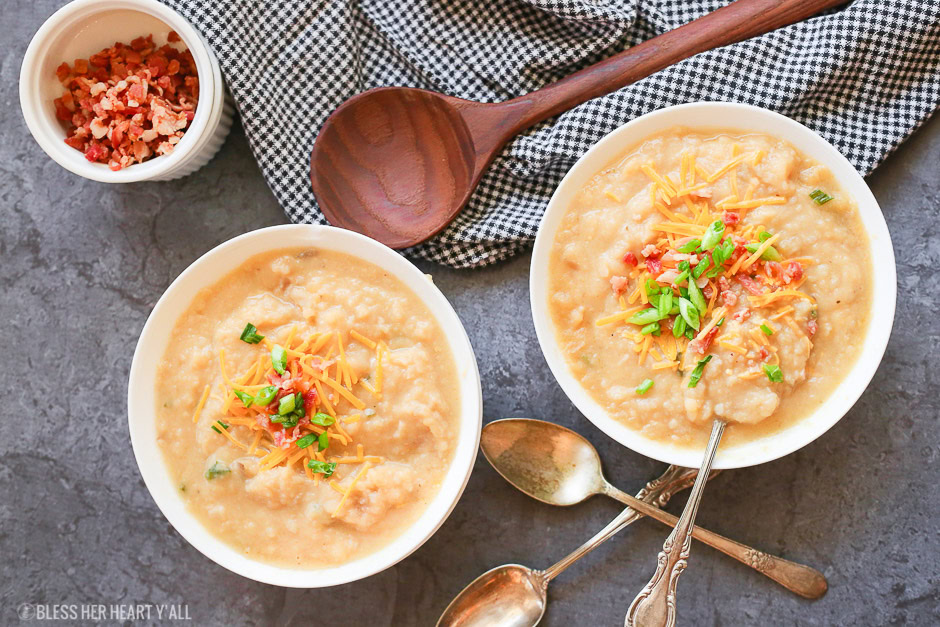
pixel 307 408
pixel 710 274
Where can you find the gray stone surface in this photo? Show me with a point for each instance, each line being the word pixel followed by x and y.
pixel 83 263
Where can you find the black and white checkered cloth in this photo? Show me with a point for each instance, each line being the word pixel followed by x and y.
pixel 864 77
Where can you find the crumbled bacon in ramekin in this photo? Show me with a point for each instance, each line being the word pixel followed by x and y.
pixel 128 103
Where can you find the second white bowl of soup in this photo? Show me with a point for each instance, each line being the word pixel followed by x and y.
pixel 304 406
pixel 713 260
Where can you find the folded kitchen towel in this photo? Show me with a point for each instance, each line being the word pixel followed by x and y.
pixel 864 77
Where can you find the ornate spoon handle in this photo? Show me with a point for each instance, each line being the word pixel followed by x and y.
pixel 656 604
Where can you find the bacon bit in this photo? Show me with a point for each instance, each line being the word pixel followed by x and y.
pixel 654 265
pixel 630 259
pixel 723 284
pixel 173 37
pixel 730 218
pixel 774 270
pixel 618 284
pixel 109 92
pixel 729 298
pixel 650 250
pixel 750 284
pixel 668 276
pixel 283 438
pixel 700 345
pixel 811 328
pixel 708 290
pixel 742 315
pixel 310 400
pixel 764 353
pixel 793 273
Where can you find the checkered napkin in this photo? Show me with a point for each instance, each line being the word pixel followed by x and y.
pixel 864 77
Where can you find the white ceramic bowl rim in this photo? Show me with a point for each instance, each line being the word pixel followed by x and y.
pixel 721 115
pixel 141 400
pixel 46 129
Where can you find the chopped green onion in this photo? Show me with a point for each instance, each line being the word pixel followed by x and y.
pixel 690 333
pixel 689 312
pixel 664 306
pixel 763 236
pixel 323 442
pixel 697 298
pixel 771 254
pixel 326 468
pixel 324 420
pixel 652 287
pixel 247 399
pixel 645 317
pixel 286 404
pixel 820 196
pixel 250 334
pixel 700 268
pixel 713 234
pixel 711 274
pixel 767 330
pixel 307 440
pixel 266 395
pixel 813 313
pixel 217 469
pixel 678 326
pixel 683 266
pixel 727 249
pixel 299 408
pixel 696 375
pixel 682 277
pixel 773 373
pixel 218 423
pixel 279 359
pixel 652 327
pixel 690 246
pixel 720 322
pixel 644 387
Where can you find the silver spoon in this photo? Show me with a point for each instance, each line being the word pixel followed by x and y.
pixel 656 604
pixel 557 466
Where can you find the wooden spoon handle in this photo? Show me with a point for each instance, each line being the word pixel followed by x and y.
pixel 736 22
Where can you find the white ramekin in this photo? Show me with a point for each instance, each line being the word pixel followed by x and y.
pixel 742 117
pixel 141 400
pixel 82 28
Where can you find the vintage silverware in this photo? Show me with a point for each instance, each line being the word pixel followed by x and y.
pixel 656 603
pixel 516 596
pixel 558 466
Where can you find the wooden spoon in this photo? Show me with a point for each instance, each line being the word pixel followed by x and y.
pixel 398 164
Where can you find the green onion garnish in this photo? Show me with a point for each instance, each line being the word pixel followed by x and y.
pixel 763 236
pixel 820 196
pixel 664 306
pixel 773 373
pixel 644 387
pixel 279 359
pixel 322 419
pixel 767 330
pixel 699 369
pixel 307 440
pixel 217 469
pixel 678 327
pixel 218 423
pixel 250 334
pixel 652 327
pixel 247 399
pixel 771 254
pixel 265 395
pixel 326 468
pixel 701 267
pixel 697 298
pixel 690 333
pixel 682 277
pixel 652 287
pixel 645 317
pixel 713 234
pixel 323 441
pixel 720 322
pixel 683 266
pixel 689 312
pixel 286 404
pixel 690 246
pixel 299 408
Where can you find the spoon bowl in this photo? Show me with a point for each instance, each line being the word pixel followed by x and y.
pixel 394 163
pixel 546 461
pixel 507 596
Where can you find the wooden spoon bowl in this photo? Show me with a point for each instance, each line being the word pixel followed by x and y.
pixel 398 164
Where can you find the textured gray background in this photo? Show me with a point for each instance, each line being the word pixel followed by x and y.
pixel 83 263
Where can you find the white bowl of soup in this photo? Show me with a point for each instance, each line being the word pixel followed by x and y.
pixel 304 406
pixel 713 260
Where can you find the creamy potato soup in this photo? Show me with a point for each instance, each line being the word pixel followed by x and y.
pixel 307 408
pixel 710 274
